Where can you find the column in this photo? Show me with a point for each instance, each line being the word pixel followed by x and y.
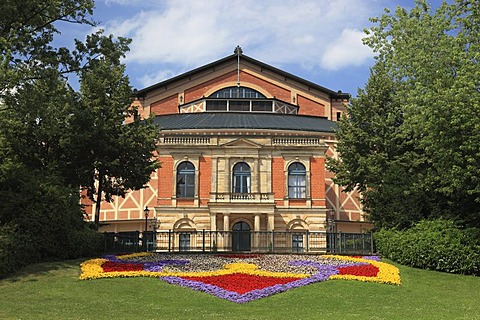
pixel 270 221
pixel 256 225
pixel 226 221
pixel 226 228
pixel 213 221
pixel 256 228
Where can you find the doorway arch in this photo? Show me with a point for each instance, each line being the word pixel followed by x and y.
pixel 241 237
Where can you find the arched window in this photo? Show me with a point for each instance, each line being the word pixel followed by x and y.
pixel 237 92
pixel 241 178
pixel 297 181
pixel 185 180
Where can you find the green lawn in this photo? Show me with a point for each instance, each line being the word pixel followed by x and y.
pixel 53 291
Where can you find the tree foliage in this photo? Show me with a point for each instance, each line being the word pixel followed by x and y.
pixel 411 141
pixel 55 139
pixel 116 155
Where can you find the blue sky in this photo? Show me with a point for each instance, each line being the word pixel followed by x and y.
pixel 318 40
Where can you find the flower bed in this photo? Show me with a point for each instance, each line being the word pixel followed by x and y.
pixel 241 278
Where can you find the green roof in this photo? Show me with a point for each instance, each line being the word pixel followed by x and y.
pixel 233 120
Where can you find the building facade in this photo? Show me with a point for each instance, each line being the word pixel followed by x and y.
pixel 243 147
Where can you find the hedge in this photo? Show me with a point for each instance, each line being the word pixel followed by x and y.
pixel 433 244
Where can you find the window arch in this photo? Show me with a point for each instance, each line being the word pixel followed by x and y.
pixel 241 182
pixel 297 181
pixel 237 92
pixel 185 180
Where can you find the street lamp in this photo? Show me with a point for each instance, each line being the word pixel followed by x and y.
pixel 146 211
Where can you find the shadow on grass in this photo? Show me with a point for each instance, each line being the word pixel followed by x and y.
pixel 32 272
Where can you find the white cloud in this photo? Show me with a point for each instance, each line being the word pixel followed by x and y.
pixel 346 51
pixel 180 35
pixel 192 32
pixel 149 79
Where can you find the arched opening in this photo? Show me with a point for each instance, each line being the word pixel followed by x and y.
pixel 297 181
pixel 241 237
pixel 185 180
pixel 241 182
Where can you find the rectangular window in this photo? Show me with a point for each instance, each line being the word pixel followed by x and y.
pixel 236 105
pixel 190 186
pixel 216 105
pixel 241 184
pixel 297 242
pixel 339 116
pixel 296 187
pixel 262 106
pixel 184 242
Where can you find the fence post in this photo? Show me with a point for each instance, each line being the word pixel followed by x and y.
pixel 308 235
pixel 354 243
pixel 169 244
pixel 363 243
pixel 203 240
pixel 273 241
pixel 371 242
pixel 340 244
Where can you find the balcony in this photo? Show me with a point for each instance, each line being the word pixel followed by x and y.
pixel 227 197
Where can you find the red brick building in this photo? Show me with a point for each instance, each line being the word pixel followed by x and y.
pixel 242 147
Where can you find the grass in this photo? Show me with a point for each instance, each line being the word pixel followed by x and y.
pixel 53 291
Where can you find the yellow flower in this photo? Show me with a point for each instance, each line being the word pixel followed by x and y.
pixel 387 273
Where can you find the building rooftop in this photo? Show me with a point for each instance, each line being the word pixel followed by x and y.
pixel 232 120
pixel 233 57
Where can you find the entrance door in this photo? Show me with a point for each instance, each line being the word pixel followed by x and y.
pixel 241 237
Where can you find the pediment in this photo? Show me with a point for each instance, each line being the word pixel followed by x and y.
pixel 242 143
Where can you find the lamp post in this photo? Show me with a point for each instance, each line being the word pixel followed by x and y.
pixel 146 211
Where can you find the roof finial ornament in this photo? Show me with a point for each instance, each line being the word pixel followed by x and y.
pixel 238 50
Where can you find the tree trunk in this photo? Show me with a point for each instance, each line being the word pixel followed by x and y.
pixel 99 200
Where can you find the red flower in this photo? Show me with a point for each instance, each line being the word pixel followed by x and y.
pixel 241 283
pixel 110 266
pixel 367 270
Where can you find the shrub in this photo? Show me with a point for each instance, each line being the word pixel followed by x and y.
pixel 16 249
pixel 84 243
pixel 433 244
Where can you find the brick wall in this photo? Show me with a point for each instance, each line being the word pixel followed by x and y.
pixel 278 180
pixel 165 181
pixel 205 179
pixel 317 181
pixel 310 107
pixel 168 105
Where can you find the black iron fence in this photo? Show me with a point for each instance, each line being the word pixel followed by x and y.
pixel 240 241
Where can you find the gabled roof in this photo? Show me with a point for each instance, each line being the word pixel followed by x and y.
pixel 233 120
pixel 234 57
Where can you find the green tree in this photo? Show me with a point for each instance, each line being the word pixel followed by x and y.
pixel 51 136
pixel 116 157
pixel 27 30
pixel 430 62
pixel 377 154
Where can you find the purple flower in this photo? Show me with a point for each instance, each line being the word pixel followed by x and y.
pixel 374 258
